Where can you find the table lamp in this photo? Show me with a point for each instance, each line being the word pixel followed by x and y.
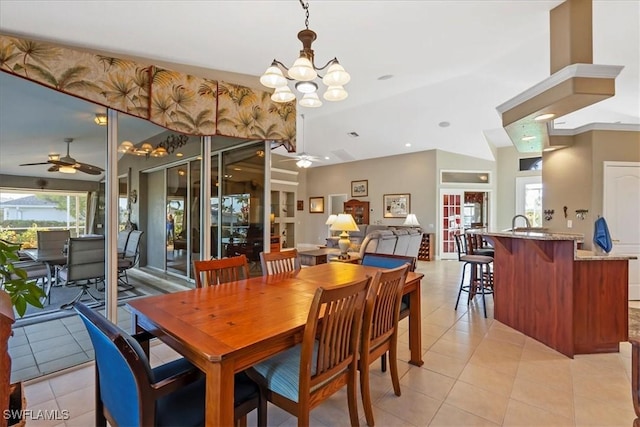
pixel 332 218
pixel 411 221
pixel 344 223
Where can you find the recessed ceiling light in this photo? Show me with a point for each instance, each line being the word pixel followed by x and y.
pixel 408 144
pixel 444 124
pixel 544 117
pixel 528 138
pixel 386 77
pixel 353 134
pixel 179 154
pixel 327 158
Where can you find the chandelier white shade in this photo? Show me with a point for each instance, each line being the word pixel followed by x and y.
pixel 303 72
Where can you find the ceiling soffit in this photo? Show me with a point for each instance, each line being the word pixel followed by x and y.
pixel 180 102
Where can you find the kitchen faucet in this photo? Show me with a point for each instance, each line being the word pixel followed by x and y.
pixel 513 221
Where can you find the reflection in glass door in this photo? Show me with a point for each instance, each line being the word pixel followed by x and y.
pixel 237 203
pixel 177 221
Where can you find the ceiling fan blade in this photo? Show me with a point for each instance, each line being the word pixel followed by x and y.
pixel 63 162
pixel 33 164
pixel 54 168
pixel 89 169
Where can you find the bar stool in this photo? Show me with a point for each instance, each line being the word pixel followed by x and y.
pixel 480 277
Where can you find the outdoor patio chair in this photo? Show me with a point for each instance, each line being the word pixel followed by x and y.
pixel 129 258
pixel 85 266
pixel 52 240
pixel 302 377
pixel 129 392
pixel 123 237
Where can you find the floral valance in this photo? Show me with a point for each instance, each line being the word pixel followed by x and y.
pixel 181 102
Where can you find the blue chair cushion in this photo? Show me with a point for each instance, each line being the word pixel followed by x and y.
pixel 382 261
pixel 282 371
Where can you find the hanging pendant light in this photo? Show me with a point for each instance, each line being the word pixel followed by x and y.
pixel 303 72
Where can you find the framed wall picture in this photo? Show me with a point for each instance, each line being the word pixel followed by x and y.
pixel 396 205
pixel 316 204
pixel 300 205
pixel 360 188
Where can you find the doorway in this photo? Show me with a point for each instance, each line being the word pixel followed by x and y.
pixel 460 210
pixel 621 209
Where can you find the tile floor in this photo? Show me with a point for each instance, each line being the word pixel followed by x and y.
pixel 477 372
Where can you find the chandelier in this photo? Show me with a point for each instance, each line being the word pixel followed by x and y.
pixel 303 72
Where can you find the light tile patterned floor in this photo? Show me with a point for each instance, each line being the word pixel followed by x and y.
pixel 477 372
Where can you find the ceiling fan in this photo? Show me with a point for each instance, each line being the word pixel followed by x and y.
pixel 302 159
pixel 67 164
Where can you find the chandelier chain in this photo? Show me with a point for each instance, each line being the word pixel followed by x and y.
pixel 306 8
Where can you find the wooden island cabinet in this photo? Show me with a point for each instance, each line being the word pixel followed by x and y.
pixel 571 300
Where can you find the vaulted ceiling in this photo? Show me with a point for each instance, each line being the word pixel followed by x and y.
pixel 451 63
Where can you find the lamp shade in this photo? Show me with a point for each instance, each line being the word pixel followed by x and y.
pixel 310 100
pixel 283 94
pixel 335 93
pixel 332 218
pixel 273 78
pixel 344 222
pixel 411 220
pixel 67 169
pixel 302 70
pixel 336 76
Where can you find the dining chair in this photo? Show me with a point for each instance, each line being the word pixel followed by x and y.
pixel 215 271
pixel 279 262
pixel 380 330
pixel 300 378
pixel 391 261
pixel 129 257
pixel 131 393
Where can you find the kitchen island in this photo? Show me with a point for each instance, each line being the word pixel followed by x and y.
pixel 572 300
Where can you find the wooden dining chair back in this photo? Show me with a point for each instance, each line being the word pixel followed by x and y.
pixel 215 271
pixel 380 329
pixel 279 262
pixel 299 379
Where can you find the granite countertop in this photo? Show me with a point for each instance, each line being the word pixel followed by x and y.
pixel 534 235
pixel 582 255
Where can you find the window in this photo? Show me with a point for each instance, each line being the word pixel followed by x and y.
pixel 529 199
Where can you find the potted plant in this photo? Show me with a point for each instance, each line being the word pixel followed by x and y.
pixel 16 291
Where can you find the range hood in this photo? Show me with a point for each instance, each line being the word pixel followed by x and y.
pixel 575 81
pixel 570 89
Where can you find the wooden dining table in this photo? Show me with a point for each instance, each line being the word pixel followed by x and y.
pixel 227 328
